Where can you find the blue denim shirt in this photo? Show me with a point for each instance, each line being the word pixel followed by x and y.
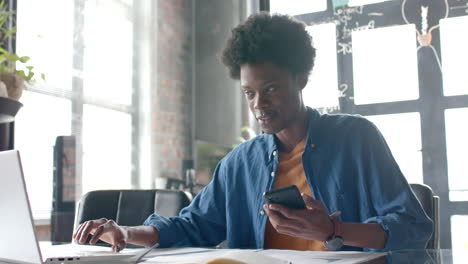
pixel 348 166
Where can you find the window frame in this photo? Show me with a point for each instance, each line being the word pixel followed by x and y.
pixel 78 99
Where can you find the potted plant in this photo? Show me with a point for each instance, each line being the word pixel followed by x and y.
pixel 12 81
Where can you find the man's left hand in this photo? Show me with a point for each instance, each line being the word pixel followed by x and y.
pixel 312 223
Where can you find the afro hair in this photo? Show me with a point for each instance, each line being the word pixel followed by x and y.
pixel 279 39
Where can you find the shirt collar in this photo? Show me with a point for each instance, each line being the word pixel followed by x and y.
pixel 312 128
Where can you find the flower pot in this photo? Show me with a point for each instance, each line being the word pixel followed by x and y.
pixel 8 110
pixel 14 85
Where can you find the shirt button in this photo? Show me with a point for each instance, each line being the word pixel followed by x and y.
pixel 312 145
pixel 272 174
pixel 274 153
pixel 262 212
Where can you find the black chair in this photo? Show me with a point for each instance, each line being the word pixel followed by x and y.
pixel 130 207
pixel 430 203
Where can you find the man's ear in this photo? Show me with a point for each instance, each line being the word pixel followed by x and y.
pixel 301 80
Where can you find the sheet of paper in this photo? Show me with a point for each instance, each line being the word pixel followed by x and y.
pixel 319 257
pixel 180 252
pixel 200 255
pixel 246 256
pixel 184 255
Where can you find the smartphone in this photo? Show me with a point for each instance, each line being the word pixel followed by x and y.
pixel 288 196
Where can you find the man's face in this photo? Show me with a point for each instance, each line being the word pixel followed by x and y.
pixel 273 94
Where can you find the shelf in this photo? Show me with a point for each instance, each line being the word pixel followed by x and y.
pixel 8 109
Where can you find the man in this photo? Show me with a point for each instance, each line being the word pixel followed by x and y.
pixel 340 163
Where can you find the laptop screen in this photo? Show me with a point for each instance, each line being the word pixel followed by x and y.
pixel 18 242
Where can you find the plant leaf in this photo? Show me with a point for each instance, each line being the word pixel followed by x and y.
pixel 21 74
pixel 3 68
pixel 30 76
pixel 10 32
pixel 24 59
pixel 11 57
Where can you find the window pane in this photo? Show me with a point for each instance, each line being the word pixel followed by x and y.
pixel 37 125
pixel 322 88
pixel 405 144
pixel 107 149
pixel 297 7
pixel 385 65
pixel 459 238
pixel 457 145
pixel 108 51
pixel 46 35
pixel 364 2
pixel 454 54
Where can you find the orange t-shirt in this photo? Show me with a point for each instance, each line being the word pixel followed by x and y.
pixel 291 172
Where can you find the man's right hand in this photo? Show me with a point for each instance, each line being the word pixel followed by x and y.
pixel 105 230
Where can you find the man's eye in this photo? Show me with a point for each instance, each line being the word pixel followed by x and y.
pixel 270 89
pixel 249 94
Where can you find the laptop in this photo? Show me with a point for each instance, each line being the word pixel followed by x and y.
pixel 18 241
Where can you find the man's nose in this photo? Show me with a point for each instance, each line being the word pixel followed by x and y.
pixel 260 101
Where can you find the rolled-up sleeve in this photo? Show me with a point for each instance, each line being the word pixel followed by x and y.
pixel 202 223
pixel 396 207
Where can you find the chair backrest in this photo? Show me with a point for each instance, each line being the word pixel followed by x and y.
pixel 130 207
pixel 430 203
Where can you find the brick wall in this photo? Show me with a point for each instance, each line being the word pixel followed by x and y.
pixel 172 88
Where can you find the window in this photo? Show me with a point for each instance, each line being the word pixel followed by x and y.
pixel 321 90
pixel 107 149
pixel 385 70
pixel 460 241
pixel 297 7
pixel 454 54
pixel 457 144
pixel 363 2
pixel 37 124
pixel 88 92
pixel 405 144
